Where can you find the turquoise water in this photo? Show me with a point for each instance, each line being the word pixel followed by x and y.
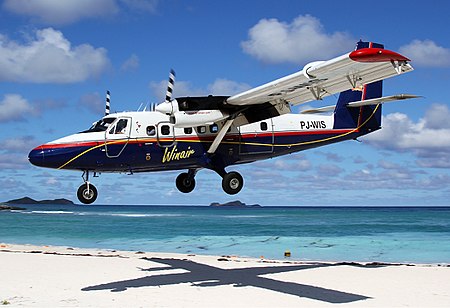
pixel 385 234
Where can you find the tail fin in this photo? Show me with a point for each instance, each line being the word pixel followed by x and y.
pixel 366 118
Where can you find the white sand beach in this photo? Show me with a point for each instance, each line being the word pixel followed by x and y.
pixel 43 276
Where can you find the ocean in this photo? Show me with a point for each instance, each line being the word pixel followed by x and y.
pixel 366 234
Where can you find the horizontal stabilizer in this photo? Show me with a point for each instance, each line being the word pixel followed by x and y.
pixel 381 100
pixel 373 101
pixel 319 110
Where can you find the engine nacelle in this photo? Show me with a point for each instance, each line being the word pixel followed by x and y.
pixel 167 107
pixel 198 117
pixel 310 67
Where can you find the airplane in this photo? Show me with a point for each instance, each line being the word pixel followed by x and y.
pixel 215 132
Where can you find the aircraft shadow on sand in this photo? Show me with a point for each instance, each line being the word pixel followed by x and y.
pixel 202 275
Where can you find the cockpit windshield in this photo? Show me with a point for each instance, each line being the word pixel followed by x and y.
pixel 100 126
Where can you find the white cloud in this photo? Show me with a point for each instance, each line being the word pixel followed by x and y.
pixel 426 53
pixel 184 88
pixel 14 107
pixel 437 117
pixel 19 144
pixel 50 58
pixel 13 161
pixel 63 12
pixel 428 138
pixel 59 12
pixel 401 133
pixel 14 152
pixel 227 87
pixel 302 40
pixel 130 64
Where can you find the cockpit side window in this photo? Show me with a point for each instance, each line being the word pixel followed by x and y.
pixel 100 126
pixel 121 126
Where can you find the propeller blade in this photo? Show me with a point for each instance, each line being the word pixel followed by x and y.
pixel 170 85
pixel 108 98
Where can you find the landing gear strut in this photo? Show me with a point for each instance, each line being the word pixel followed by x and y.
pixel 87 193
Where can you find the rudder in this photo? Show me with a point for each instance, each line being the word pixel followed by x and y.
pixel 366 118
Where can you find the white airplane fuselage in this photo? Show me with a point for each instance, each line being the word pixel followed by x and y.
pixel 149 142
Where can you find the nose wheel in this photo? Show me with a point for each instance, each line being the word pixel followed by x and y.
pixel 87 193
pixel 186 182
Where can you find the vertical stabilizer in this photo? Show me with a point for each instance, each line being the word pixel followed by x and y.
pixel 366 118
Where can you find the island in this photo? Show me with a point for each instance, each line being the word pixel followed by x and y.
pixel 28 200
pixel 234 204
pixel 4 207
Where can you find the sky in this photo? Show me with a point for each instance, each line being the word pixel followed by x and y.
pixel 58 58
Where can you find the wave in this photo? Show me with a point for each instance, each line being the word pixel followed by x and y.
pixel 132 215
pixel 109 214
pixel 52 212
pixel 143 215
pixel 243 216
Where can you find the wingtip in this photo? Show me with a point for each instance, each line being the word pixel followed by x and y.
pixel 376 55
pixel 407 96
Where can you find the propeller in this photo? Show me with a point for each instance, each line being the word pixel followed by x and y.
pixel 170 85
pixel 108 99
pixel 168 107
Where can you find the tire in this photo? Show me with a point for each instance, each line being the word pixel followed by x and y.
pixel 184 184
pixel 232 183
pixel 87 196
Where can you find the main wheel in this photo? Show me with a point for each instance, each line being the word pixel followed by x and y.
pixel 86 194
pixel 184 183
pixel 232 183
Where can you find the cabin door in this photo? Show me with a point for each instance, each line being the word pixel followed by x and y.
pixel 256 138
pixel 117 137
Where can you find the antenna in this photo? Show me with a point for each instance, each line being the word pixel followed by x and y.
pixel 108 99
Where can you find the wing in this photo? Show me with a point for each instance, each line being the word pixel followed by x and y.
pixel 323 78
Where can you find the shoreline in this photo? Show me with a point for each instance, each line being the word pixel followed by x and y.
pixel 70 277
pixel 102 252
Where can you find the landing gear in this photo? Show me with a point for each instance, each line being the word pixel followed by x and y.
pixel 232 183
pixel 87 193
pixel 185 183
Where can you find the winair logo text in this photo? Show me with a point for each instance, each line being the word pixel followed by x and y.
pixel 174 154
pixel 312 124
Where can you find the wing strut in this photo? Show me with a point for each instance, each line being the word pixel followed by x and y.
pixel 212 149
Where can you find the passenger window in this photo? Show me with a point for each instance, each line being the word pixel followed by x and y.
pixel 151 130
pixel 201 129
pixel 188 130
pixel 263 125
pixel 213 128
pixel 165 130
pixel 121 126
